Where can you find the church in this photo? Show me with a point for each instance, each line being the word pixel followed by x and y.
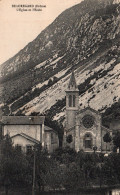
pixel 83 126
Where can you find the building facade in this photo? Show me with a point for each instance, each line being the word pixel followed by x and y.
pixel 25 131
pixel 83 126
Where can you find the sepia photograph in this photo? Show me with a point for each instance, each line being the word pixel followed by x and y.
pixel 60 97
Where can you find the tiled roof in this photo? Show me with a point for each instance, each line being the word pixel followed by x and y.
pixel 105 129
pixel 26 137
pixel 46 128
pixel 23 120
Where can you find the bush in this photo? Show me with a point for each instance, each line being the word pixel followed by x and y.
pixel 69 139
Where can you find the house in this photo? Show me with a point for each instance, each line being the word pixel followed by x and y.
pixel 25 131
pixel 83 126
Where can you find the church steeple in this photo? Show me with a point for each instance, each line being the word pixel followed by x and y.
pixel 72 101
pixel 72 83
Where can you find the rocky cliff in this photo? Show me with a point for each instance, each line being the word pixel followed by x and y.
pixel 84 38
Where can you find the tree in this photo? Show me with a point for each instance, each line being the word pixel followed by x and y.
pixel 42 164
pixel 50 82
pixel 64 155
pixel 69 139
pixel 5 110
pixel 54 177
pixel 111 169
pixel 55 79
pixel 14 167
pixel 5 163
pixel 73 177
pixel 116 140
pixel 35 113
pixel 107 138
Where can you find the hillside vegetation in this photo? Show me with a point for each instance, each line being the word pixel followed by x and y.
pixel 84 38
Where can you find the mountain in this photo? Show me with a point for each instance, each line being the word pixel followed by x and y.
pixel 84 38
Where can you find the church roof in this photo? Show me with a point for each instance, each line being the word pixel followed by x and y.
pixel 91 109
pixel 106 129
pixel 23 120
pixel 72 83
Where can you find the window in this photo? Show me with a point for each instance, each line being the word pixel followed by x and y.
pixel 88 141
pixel 28 149
pixel 70 101
pixel 18 147
pixel 88 121
pixel 52 138
pixel 74 100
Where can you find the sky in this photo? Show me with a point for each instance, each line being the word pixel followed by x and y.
pixel 18 28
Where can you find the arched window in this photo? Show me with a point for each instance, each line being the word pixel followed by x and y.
pixel 70 101
pixel 74 100
pixel 88 141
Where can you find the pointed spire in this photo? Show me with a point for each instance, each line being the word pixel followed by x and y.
pixel 72 83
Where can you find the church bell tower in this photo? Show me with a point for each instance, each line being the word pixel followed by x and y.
pixel 72 102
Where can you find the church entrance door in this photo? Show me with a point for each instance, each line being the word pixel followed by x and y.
pixel 88 141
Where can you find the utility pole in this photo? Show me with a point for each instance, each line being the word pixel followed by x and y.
pixel 34 165
pixel 33 187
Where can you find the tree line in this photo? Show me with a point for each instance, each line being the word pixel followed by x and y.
pixel 64 169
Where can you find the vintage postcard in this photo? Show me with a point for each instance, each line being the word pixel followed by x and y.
pixel 60 97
